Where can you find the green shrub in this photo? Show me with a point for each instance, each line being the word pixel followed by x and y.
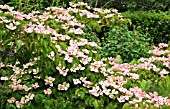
pixel 37 47
pixel 128 44
pixel 148 68
pixel 136 5
pixel 155 24
pixel 46 63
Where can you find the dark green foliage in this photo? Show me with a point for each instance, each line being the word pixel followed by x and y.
pixel 156 24
pixel 128 44
pixel 121 5
pixel 133 5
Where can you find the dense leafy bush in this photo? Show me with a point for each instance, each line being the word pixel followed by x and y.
pixel 121 5
pixel 47 63
pixel 156 24
pixel 146 5
pixel 129 44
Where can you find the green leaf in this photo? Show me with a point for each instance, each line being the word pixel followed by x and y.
pixel 54 49
pixel 118 57
pixel 129 21
pixel 87 101
pixel 118 46
pixel 9 106
pixel 143 84
pixel 137 42
pixel 95 104
pixel 32 46
pixel 76 92
pixel 17 95
pixel 70 78
pixel 45 44
pixel 63 64
pixel 91 99
pixel 161 84
pixel 167 82
pixel 97 57
pixel 82 94
pixel 148 84
pixel 90 54
pixel 85 90
pixel 19 44
pixel 57 60
pixel 63 45
pixel 38 98
pixel 126 106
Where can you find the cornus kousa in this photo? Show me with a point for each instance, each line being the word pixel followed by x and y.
pixel 11 100
pixel 48 91
pixel 49 80
pixel 53 65
pixel 76 81
pixel 63 86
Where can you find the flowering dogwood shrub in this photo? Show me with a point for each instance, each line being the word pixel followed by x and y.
pixel 47 63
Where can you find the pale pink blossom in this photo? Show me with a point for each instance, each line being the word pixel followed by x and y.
pixel 63 86
pixel 121 99
pixel 48 91
pixel 135 76
pixel 4 78
pixel 29 97
pixel 11 100
pixel 35 85
pixel 163 72
pixel 76 81
pixel 162 45
pixel 49 80
pixel 11 26
pixel 18 104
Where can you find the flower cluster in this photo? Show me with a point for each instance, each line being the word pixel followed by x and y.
pixel 23 100
pixel 35 85
pixel 49 80
pixel 76 81
pixel 48 91
pixel 62 70
pixel 150 63
pixel 151 98
pixel 63 86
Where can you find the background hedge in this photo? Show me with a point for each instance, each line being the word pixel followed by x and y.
pixel 155 24
pixel 134 5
